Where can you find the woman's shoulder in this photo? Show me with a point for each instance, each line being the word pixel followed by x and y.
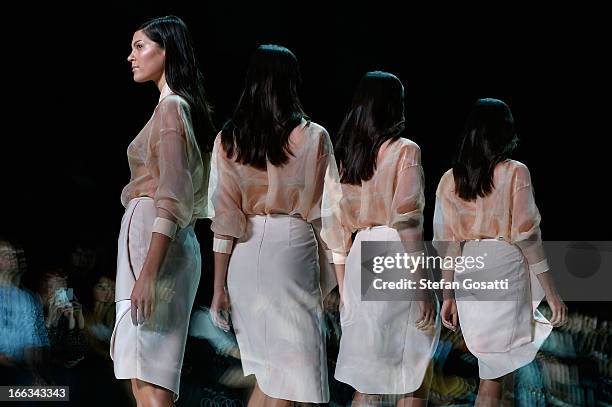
pixel 314 129
pixel 447 183
pixel 218 137
pixel 517 174
pixel 171 112
pixel 448 174
pixel 172 103
pixel 514 165
pixel 219 148
pixel 513 169
pixel 401 150
pixel 315 136
pixel 407 144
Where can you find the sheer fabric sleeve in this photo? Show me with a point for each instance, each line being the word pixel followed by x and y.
pixel 168 150
pixel 204 206
pixel 406 211
pixel 225 206
pixel 335 234
pixel 525 228
pixel 444 239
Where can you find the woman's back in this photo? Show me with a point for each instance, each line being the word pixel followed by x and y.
pixel 294 188
pixel 508 211
pixel 394 190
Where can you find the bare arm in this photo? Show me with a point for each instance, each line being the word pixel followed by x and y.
pixel 221 265
pixel 219 308
pixel 339 269
pixel 143 293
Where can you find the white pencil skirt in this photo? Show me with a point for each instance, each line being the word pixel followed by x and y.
pixel 505 332
pixel 381 349
pixel 277 310
pixel 153 351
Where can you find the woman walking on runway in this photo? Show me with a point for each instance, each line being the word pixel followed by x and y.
pixel 267 176
pixel 158 265
pixel 386 346
pixel 485 206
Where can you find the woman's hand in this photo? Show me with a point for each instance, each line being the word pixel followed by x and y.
pixel 219 310
pixel 427 314
pixel 558 308
pixel 556 304
pixel 339 269
pixel 449 314
pixel 143 296
pixel 54 313
pixel 341 295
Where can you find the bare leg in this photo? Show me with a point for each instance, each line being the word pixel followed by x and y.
pixel 152 395
pixel 507 398
pixel 490 392
pixel 419 397
pixel 411 400
pixel 135 392
pixel 260 399
pixel 257 398
pixel 366 400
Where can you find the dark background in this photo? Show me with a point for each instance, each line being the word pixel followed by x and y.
pixel 77 108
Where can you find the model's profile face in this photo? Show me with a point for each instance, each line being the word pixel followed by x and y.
pixel 147 58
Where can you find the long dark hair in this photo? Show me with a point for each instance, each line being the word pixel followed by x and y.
pixel 376 115
pixel 268 110
pixel 183 74
pixel 488 139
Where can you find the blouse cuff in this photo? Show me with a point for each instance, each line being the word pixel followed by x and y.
pixel 165 227
pixel 338 257
pixel 222 245
pixel 539 267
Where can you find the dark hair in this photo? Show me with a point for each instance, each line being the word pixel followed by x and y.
pixel 376 115
pixel 488 139
pixel 268 110
pixel 183 74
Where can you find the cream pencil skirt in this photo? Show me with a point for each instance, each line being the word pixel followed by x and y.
pixel 153 351
pixel 381 350
pixel 505 332
pixel 276 307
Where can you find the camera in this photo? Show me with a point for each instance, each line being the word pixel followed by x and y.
pixel 63 296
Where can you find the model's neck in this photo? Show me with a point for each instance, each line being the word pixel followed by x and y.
pixel 161 82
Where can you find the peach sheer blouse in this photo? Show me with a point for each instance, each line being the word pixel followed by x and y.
pixel 508 212
pixel 393 197
pixel 237 191
pixel 166 163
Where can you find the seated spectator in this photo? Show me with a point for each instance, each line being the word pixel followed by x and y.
pixel 24 337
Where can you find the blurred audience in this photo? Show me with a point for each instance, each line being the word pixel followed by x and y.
pixel 24 339
pixel 64 319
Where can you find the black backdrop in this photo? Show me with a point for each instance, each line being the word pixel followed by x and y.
pixel 77 108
